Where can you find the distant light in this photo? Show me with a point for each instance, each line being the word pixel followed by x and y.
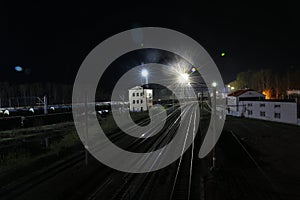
pixel 183 78
pixel 267 93
pixel 214 84
pixel 145 73
pixel 193 69
pixel 228 86
pixel 232 88
pixel 18 68
pixel 223 54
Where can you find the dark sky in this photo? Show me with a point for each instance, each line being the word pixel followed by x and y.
pixel 51 40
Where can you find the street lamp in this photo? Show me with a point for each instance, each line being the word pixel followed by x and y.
pixel 214 109
pixel 214 84
pixel 145 74
pixel 183 78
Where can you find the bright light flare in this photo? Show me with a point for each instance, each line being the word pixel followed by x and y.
pixel 183 78
pixel 144 73
pixel 214 84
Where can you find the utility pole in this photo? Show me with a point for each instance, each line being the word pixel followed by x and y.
pixel 214 107
pixel 86 128
pixel 45 105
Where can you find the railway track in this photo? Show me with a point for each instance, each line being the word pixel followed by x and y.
pixel 172 182
pixel 176 183
pixel 13 190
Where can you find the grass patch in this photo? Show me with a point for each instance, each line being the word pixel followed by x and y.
pixel 23 160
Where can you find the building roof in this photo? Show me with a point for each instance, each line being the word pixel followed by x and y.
pixel 274 100
pixel 240 92
pixel 136 88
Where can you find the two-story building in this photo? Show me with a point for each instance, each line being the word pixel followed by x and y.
pixel 140 99
pixel 251 104
pixel 272 110
pixel 234 98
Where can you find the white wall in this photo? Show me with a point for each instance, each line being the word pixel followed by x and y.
pixel 233 101
pixel 232 104
pixel 286 110
pixel 149 97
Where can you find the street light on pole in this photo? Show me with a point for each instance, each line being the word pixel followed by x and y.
pixel 184 80
pixel 214 108
pixel 145 74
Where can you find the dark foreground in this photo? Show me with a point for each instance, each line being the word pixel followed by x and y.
pixel 255 160
pixel 258 160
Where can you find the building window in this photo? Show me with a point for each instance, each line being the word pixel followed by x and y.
pixel 277 106
pixel 137 94
pixel 249 104
pixel 262 105
pixel 137 101
pixel 141 94
pixel 262 114
pixel 133 101
pixel 133 94
pixel 249 112
pixel 277 115
pixel 141 101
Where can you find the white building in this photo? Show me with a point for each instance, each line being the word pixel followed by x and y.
pixel 272 110
pixel 140 99
pixel 251 104
pixel 234 98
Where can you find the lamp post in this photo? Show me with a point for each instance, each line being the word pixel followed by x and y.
pixel 184 79
pixel 145 74
pixel 214 107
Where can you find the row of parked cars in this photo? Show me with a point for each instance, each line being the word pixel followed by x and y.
pixel 101 109
pixel 27 111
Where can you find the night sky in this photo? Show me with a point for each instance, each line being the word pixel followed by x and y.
pixel 51 40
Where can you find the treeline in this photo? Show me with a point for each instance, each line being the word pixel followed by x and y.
pixel 272 83
pixel 27 94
